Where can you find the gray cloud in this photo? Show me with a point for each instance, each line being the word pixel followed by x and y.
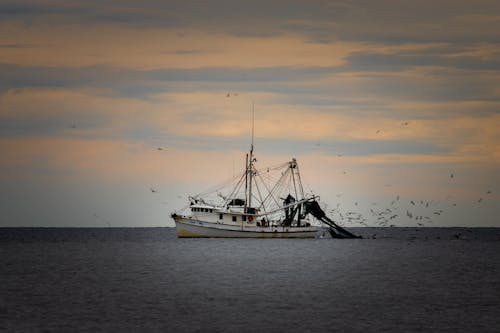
pixel 322 21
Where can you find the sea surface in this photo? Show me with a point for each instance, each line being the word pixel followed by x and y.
pixel 145 279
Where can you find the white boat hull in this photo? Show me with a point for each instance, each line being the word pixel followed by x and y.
pixel 190 228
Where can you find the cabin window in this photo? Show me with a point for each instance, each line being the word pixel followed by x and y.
pixel 244 218
pixel 234 218
pixel 220 216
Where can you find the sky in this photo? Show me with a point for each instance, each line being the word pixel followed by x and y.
pixel 385 104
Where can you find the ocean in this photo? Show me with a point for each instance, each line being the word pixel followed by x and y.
pixel 146 279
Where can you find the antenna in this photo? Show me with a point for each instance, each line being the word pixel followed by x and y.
pixel 253 121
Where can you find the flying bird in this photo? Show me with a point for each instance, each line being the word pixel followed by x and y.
pixel 153 190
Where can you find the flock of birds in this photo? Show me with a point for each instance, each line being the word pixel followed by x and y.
pixel 386 217
pixel 420 212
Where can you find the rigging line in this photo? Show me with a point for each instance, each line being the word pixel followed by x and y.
pixel 263 202
pixel 260 196
pixel 235 189
pixel 285 184
pixel 294 185
pixel 300 180
pixel 276 191
pixel 216 187
pixel 273 167
pixel 276 185
pixel 229 181
pixel 268 191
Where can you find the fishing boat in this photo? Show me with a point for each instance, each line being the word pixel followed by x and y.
pixel 267 202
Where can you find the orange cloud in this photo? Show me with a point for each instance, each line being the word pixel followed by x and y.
pixel 149 48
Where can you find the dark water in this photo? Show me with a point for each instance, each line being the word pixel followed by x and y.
pixel 400 279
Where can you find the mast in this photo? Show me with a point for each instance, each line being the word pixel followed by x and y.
pixel 250 163
pixel 246 183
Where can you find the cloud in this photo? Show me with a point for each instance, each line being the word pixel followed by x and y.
pixel 153 48
pixel 383 21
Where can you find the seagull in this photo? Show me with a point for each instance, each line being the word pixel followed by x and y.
pixel 412 202
pixel 228 95
pixel 405 123
pixel 452 175
pixel 489 192
pixel 153 190
pixel 378 131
